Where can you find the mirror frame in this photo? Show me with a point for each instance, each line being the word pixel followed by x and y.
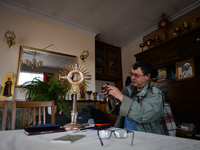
pixel 40 50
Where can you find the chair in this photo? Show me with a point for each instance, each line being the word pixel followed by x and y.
pixel 168 122
pixel 31 104
pixel 4 105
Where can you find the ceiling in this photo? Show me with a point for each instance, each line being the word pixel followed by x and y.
pixel 116 22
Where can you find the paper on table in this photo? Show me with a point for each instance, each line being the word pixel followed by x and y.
pixel 69 138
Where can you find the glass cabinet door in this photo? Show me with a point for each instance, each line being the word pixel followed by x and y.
pixel 114 59
pixel 100 59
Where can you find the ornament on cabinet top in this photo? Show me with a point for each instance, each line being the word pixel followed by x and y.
pixel 163 25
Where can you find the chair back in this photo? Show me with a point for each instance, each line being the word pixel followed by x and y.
pixel 167 121
pixel 32 104
pixel 4 105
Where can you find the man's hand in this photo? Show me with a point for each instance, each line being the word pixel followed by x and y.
pixel 114 91
pixel 107 95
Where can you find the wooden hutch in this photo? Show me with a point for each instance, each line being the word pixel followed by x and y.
pixel 182 95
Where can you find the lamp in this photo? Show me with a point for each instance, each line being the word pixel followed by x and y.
pixel 84 55
pixel 33 63
pixel 10 36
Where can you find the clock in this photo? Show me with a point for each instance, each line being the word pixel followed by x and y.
pixel 163 25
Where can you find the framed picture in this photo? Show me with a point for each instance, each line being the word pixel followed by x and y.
pixel 8 86
pixel 185 69
pixel 82 93
pixel 162 74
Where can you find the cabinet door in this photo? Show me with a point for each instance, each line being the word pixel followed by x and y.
pixel 166 54
pixel 100 60
pixel 114 62
pixel 190 44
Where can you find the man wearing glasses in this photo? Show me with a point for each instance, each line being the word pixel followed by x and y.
pixel 141 104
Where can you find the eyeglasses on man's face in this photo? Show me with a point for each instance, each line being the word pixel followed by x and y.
pixel 135 75
pixel 119 133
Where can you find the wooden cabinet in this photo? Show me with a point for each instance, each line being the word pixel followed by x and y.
pixel 102 106
pixel 108 63
pixel 183 95
pixel 167 53
pixel 108 68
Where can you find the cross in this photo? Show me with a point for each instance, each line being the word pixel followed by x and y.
pixel 163 16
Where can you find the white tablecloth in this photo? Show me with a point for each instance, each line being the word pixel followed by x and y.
pixel 17 140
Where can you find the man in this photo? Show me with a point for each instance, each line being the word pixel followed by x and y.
pixel 187 70
pixel 141 104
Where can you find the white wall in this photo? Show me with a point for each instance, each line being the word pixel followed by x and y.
pixel 37 33
pixel 128 58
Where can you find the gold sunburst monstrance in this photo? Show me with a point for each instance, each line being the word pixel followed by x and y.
pixel 76 77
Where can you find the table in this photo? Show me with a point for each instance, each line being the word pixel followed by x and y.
pixel 17 140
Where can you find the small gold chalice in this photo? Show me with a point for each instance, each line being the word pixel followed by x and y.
pixel 177 30
pixel 156 39
pixel 142 45
pixel 89 94
pixel 149 43
pixel 95 95
pixel 185 25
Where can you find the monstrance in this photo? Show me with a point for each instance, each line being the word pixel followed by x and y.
pixel 76 77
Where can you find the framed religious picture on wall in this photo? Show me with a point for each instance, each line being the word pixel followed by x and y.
pixel 8 86
pixel 82 93
pixel 185 69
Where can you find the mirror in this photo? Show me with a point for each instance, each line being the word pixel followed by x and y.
pixel 35 62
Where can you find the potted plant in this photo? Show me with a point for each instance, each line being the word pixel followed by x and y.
pixel 37 90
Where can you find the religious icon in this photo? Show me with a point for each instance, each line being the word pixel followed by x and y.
pixel 8 86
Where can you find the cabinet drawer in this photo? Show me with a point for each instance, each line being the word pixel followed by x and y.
pixel 146 56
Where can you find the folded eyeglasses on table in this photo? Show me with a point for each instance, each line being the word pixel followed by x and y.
pixel 119 133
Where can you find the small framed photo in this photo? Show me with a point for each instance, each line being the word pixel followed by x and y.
pixel 162 74
pixel 185 69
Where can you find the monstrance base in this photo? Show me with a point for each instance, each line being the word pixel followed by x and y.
pixel 73 126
